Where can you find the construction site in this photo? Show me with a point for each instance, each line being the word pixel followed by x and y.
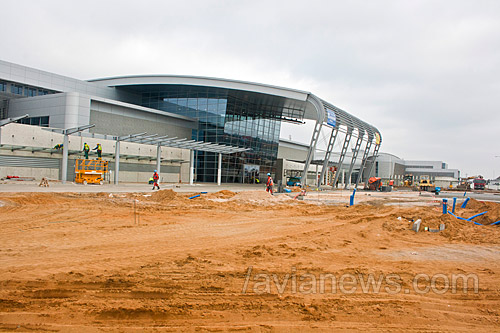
pixel 172 203
pixel 204 258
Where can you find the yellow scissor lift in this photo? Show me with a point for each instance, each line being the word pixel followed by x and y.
pixel 90 171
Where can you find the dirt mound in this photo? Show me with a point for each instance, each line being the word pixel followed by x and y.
pixel 476 204
pixel 476 207
pixel 164 195
pixel 493 214
pixel 224 194
pixel 456 230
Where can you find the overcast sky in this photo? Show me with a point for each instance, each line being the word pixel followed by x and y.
pixel 425 73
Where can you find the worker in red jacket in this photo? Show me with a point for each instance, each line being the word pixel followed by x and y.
pixel 269 184
pixel 156 177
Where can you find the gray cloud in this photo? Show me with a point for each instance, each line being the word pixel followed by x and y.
pixel 426 73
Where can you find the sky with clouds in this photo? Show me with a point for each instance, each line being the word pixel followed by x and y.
pixel 425 73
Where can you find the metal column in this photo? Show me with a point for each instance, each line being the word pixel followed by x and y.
pixel 191 167
pixel 310 153
pixel 158 158
pixel 328 153
pixel 354 156
pixel 345 146
pixel 363 161
pixel 317 173
pixel 64 167
pixel 219 170
pixel 375 154
pixel 117 161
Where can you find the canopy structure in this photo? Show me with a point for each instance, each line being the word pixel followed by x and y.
pixel 144 138
pixel 341 121
pixel 165 141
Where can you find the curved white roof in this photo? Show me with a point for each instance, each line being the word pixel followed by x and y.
pixel 315 107
pixel 204 82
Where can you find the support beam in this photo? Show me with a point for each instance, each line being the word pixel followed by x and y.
pixel 140 139
pixel 158 158
pixel 4 122
pixel 374 157
pixel 345 146
pixel 317 174
pixel 64 166
pixel 310 152
pixel 219 170
pixel 354 156
pixel 191 167
pixel 74 130
pixel 328 154
pixel 117 161
pixel 127 137
pixel 363 161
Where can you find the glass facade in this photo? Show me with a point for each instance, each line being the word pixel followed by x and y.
pixel 37 121
pixel 231 117
pixel 27 91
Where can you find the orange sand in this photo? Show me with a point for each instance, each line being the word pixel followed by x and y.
pixel 83 262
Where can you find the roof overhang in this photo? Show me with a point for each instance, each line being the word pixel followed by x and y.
pixel 204 82
pixel 315 107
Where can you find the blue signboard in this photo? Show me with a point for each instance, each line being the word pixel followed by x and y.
pixel 331 118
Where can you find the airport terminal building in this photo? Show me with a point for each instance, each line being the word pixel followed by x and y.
pixel 198 109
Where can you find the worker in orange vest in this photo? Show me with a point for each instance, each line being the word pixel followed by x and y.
pixel 269 183
pixel 156 177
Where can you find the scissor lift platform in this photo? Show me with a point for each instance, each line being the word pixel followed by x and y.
pixel 90 171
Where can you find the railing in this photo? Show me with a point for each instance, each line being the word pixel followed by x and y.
pixel 91 165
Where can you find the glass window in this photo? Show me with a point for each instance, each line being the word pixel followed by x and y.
pixel 35 121
pixel 193 103
pixel 227 117
pixel 44 121
pixel 16 89
pixel 202 104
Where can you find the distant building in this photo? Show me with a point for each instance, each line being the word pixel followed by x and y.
pixel 291 158
pixel 388 166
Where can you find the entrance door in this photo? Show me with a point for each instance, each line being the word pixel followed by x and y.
pixel 251 174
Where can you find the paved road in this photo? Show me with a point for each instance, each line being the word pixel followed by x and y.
pixel 482 196
pixel 32 186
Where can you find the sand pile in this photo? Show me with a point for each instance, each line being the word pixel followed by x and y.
pixel 475 207
pixel 455 229
pixel 164 195
pixel 224 194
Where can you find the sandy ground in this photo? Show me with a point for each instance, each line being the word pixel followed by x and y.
pixel 244 261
